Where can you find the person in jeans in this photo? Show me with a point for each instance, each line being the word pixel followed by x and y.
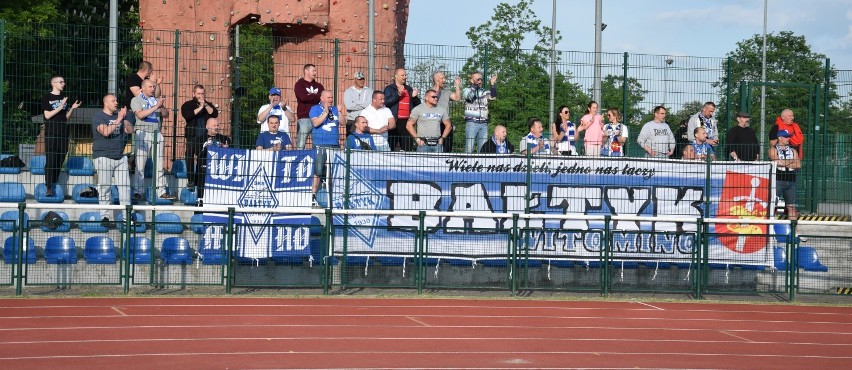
pixel 476 111
pixel 149 113
pixel 308 91
pixel 110 131
pixel 428 119
pixel 325 118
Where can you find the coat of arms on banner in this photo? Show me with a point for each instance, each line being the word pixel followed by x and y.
pixel 744 196
pixel 362 195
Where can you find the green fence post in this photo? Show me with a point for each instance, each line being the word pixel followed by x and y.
pixel 2 76
pixel 707 170
pixel 19 279
pixel 326 252
pixel 513 254
pixel 744 106
pixel 175 93
pixel 485 65
pixel 229 246
pixel 336 72
pixel 793 260
pixel 421 250
pixel 126 251
pixel 624 88
pixel 728 81
pixel 605 257
pixel 825 112
pixel 813 114
pixel 699 255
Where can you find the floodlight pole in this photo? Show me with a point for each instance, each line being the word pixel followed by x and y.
pixel 112 68
pixel 552 65
pixel 596 90
pixel 763 79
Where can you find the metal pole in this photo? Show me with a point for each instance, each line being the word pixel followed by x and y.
pixel 596 90
pixel 552 65
pixel 236 110
pixel 2 75
pixel 763 79
pixel 624 90
pixel 371 44
pixel 175 110
pixel 112 69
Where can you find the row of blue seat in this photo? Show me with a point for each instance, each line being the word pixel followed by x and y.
pixel 90 222
pixel 101 250
pixel 83 166
pixel 14 192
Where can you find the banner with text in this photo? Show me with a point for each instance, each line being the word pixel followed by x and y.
pixel 260 179
pixel 557 185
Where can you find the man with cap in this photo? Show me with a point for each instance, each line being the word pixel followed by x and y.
pixel 787 163
pixel 741 140
pixel 276 107
pixel 356 98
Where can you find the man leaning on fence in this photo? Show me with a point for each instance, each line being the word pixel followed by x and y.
pixel 195 112
pixel 149 113
pixel 741 140
pixel 787 163
pixel 214 139
pixel 274 139
pixel 380 121
pixel 110 131
pixel 699 149
pixel 359 139
pixel 428 119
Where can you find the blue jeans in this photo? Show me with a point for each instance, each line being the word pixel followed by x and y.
pixel 430 149
pixel 475 133
pixel 303 130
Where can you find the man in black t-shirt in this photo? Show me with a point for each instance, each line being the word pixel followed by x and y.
pixel 214 139
pixel 741 140
pixel 56 111
pixel 110 130
pixel 134 86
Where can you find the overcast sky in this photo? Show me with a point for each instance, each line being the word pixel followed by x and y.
pixel 668 27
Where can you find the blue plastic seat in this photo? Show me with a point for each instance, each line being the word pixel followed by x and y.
pixel 168 223
pixel 37 163
pixel 40 194
pixel 90 222
pixel 9 170
pixel 209 255
pixel 79 189
pixel 179 168
pixel 138 217
pixel 63 228
pixel 149 168
pixel 12 192
pixel 196 223
pixel 176 251
pixel 140 250
pixel 160 201
pixel 10 250
pixel 60 250
pixel 9 221
pixel 780 258
pixel 80 166
pixel 808 260
pixel 188 197
pixel 99 250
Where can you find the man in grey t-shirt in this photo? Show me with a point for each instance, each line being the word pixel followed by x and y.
pixel 110 130
pixel 428 119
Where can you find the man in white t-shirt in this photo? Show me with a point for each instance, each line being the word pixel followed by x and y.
pixel 379 120
pixel 276 107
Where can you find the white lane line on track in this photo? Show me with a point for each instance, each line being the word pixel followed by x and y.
pixel 736 336
pixel 118 310
pixel 417 321
pixel 650 305
pixel 437 353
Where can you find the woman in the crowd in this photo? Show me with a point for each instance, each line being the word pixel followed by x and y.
pixel 563 132
pixel 592 123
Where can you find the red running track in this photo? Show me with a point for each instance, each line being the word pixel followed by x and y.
pixel 146 333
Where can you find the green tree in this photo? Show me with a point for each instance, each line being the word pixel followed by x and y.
pixel 255 78
pixel 523 77
pixel 612 95
pixel 789 58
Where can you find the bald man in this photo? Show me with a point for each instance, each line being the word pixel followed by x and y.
pixel 110 131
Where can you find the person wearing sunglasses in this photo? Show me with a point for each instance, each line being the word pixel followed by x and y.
pixel 428 118
pixel 476 110
pixel 564 132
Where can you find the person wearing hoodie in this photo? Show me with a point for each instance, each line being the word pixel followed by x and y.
pixel 785 122
pixel 656 137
